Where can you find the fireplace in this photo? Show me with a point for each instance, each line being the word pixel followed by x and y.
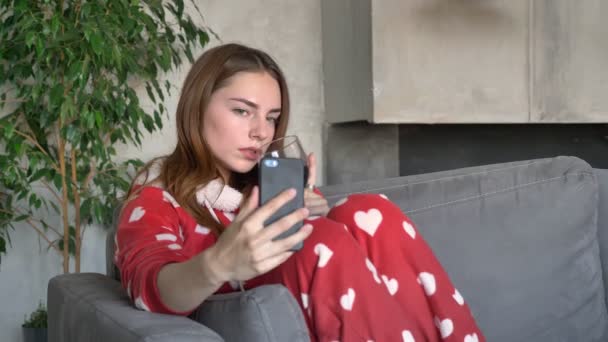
pixel 362 151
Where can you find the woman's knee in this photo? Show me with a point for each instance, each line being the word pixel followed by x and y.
pixel 365 202
pixel 327 230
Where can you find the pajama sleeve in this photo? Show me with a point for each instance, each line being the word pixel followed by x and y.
pixel 149 236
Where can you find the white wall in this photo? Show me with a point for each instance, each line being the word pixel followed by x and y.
pixel 290 31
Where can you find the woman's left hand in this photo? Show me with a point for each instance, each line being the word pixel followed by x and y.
pixel 316 204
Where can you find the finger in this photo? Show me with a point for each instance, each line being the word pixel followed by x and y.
pixel 250 204
pixel 315 201
pixel 310 193
pixel 280 226
pixel 318 210
pixel 292 240
pixel 274 248
pixel 264 212
pixel 270 263
pixel 312 169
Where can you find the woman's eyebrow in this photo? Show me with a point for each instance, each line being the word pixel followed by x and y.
pixel 253 105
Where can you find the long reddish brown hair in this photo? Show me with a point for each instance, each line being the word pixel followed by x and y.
pixel 192 164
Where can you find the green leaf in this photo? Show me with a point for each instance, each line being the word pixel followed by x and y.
pixel 56 94
pixel 75 71
pixel 149 91
pixel 159 91
pixel 21 218
pixel 55 25
pixel 96 42
pixel 57 181
pixel 157 119
pixel 37 175
pixel 72 134
pixel 99 119
pixel 203 38
pixel 30 38
pixel 9 130
pixel 98 212
pixel 55 207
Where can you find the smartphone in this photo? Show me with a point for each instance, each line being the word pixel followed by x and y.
pixel 275 176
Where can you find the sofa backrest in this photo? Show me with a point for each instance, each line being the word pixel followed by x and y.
pixel 111 269
pixel 602 180
pixel 519 240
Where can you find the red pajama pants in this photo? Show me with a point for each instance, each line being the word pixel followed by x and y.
pixel 366 274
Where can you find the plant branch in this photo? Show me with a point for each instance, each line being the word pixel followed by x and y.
pixel 89 176
pixel 35 142
pixel 53 192
pixel 30 221
pixel 76 212
pixel 41 233
pixel 64 202
pixel 13 101
pixel 17 212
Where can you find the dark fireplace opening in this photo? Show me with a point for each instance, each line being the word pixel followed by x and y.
pixel 428 148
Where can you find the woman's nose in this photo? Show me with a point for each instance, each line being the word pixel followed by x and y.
pixel 259 129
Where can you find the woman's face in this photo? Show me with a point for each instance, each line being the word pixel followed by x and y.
pixel 241 117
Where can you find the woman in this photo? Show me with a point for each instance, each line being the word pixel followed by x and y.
pixel 192 226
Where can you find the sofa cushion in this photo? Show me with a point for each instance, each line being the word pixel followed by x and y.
pixel 519 240
pixel 267 313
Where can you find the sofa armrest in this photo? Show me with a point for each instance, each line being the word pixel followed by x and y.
pixel 93 307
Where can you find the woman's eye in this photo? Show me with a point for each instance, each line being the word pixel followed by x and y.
pixel 240 111
pixel 273 120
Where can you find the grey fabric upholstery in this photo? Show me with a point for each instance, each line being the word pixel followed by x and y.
pixel 602 179
pixel 526 244
pixel 259 314
pixel 519 240
pixel 92 307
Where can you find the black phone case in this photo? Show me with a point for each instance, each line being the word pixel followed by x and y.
pixel 275 176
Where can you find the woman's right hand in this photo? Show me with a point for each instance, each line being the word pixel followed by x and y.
pixel 246 248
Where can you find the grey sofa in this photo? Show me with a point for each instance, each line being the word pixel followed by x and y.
pixel 526 243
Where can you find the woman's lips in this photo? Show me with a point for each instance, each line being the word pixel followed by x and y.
pixel 250 153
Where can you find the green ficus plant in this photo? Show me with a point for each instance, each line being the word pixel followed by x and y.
pixel 69 72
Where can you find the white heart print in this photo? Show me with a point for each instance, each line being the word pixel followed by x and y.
pixel 305 300
pixel 372 268
pixel 458 297
pixel 324 254
pixel 368 221
pixel 427 281
pixel 140 304
pixel 202 230
pixel 347 300
pixel 391 284
pixel 137 214
pixel 409 229
pixel 471 338
pixel 383 196
pixel 446 327
pixel 407 336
